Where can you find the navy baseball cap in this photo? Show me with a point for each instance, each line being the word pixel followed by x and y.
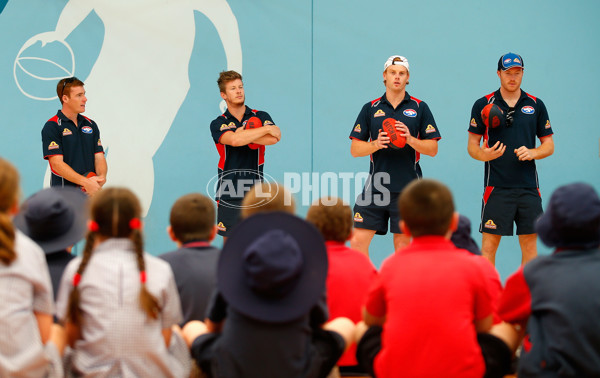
pixel 510 60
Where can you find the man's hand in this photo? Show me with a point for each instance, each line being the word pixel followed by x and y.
pixel 274 131
pixel 91 185
pixel 524 153
pixel 405 132
pixel 494 152
pixel 382 140
pixel 101 180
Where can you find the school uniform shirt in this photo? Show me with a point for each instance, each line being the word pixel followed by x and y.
pixel 25 289
pixel 117 337
pixel 194 266
pixel 349 277
pixel 557 297
pixel 431 293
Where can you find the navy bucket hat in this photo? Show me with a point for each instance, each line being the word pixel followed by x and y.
pixel 572 219
pixel 273 267
pixel 55 218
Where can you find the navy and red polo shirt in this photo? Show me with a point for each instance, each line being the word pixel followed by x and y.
pixel 239 167
pixel 530 119
pixel 402 165
pixel 78 144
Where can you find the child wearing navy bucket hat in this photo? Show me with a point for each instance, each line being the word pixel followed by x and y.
pixel 267 319
pixel 56 219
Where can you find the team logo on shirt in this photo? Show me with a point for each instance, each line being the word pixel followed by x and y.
pixel 473 122
pixel 221 227
pixel 86 130
pixel 547 124
pixel 490 224
pixel 430 129
pixel 267 123
pixel 410 113
pixel 528 109
pixel 227 127
pixel 379 113
pixel 53 145
pixel 67 132
pixel 357 128
pixel 358 217
pixel 99 143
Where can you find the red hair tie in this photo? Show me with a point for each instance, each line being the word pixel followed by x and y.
pixel 135 224
pixel 143 276
pixel 93 226
pixel 76 279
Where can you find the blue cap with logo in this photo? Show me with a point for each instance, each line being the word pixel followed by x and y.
pixel 510 60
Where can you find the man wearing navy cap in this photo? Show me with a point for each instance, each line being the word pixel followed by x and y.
pixel 509 151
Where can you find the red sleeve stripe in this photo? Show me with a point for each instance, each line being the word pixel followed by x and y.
pixel 531 97
pixel 48 156
pixel 374 101
pixel 415 100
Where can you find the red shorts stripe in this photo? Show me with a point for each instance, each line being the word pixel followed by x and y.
pixel 487 193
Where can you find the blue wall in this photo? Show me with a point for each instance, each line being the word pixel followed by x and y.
pixel 312 65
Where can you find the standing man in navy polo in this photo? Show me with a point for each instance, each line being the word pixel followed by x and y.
pixel 71 141
pixel 241 150
pixel 391 169
pixel 509 151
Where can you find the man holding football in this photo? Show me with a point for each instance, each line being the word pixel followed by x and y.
pixel 509 151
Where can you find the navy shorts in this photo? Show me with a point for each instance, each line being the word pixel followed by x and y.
pixel 228 215
pixel 373 211
pixel 503 206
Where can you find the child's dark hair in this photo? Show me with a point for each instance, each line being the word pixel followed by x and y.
pixel 115 213
pixel 192 218
pixel 9 194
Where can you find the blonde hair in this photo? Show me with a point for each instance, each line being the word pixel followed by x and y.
pixel 266 197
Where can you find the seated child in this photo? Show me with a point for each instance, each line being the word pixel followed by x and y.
pixel 30 346
pixel 119 303
pixel 267 318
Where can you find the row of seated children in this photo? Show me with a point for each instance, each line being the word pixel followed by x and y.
pixel 279 323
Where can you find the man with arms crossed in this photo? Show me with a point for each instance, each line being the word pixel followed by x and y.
pixel 241 150
pixel 509 152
